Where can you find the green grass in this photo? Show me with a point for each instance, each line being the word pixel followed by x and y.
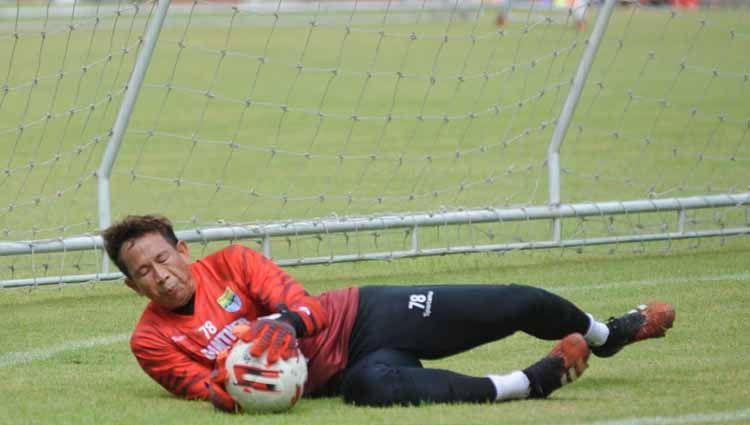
pixel 619 148
pixel 700 368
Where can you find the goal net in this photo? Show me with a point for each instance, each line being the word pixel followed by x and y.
pixel 343 130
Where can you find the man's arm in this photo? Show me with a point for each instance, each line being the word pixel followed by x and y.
pixel 177 372
pixel 280 293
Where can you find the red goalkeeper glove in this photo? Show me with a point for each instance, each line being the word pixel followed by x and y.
pixel 276 336
pixel 215 386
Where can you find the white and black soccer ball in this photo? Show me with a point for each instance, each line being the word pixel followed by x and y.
pixel 259 387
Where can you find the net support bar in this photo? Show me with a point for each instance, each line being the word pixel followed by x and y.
pixel 392 255
pixel 351 224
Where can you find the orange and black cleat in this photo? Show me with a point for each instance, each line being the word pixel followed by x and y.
pixel 561 366
pixel 644 322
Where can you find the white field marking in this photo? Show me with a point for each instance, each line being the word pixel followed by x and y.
pixel 694 418
pixel 16 358
pixel 743 276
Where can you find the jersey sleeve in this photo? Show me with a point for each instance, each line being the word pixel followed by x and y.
pixel 270 286
pixel 171 368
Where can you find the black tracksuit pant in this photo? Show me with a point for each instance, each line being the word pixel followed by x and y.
pixel 396 326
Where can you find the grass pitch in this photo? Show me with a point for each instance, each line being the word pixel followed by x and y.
pixel 65 358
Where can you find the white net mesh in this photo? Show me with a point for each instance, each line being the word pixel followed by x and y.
pixel 67 68
pixel 279 111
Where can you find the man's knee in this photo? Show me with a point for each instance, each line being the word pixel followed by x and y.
pixel 378 385
pixel 530 299
pixel 546 315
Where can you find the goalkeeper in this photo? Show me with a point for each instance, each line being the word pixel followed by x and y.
pixel 363 343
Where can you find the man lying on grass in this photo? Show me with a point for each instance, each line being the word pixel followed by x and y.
pixel 363 343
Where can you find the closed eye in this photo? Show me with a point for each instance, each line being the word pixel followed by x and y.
pixel 143 271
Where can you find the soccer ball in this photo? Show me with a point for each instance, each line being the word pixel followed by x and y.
pixel 259 387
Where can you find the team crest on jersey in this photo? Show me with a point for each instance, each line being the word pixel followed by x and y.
pixel 229 301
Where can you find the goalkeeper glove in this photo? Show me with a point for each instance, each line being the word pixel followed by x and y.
pixel 276 336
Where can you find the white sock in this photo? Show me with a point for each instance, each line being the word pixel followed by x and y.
pixel 514 385
pixel 597 334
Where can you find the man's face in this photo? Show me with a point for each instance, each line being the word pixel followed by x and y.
pixel 158 270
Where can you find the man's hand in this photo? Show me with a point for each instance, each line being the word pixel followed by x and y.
pixel 216 392
pixel 276 336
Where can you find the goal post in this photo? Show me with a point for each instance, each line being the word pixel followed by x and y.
pixel 321 132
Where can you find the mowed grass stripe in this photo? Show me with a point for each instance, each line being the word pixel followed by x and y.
pixel 732 277
pixel 16 358
pixel 695 418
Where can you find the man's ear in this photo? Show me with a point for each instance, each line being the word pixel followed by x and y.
pixel 183 249
pixel 132 285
